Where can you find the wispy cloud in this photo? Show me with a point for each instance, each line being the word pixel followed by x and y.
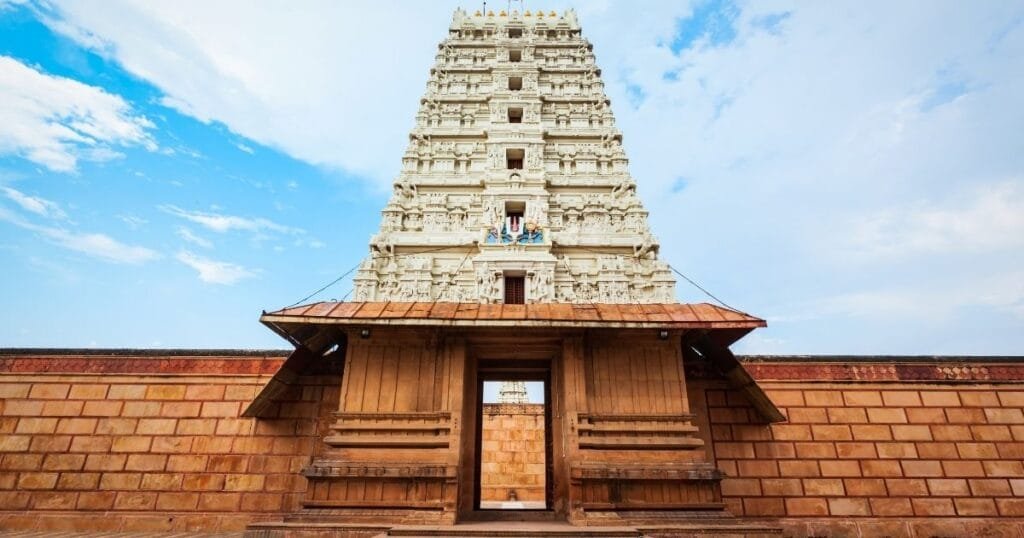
pixel 56 121
pixel 989 217
pixel 35 204
pixel 97 245
pixel 218 71
pixel 1004 292
pixel 190 237
pixel 222 223
pixel 212 271
pixel 133 221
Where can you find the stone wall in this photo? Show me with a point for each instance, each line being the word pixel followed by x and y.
pixel 915 449
pixel 154 441
pixel 512 443
pixel 151 442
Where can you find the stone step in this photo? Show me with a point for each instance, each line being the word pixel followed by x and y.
pixel 727 530
pixel 510 529
pixel 501 529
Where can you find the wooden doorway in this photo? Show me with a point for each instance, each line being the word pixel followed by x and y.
pixel 499 499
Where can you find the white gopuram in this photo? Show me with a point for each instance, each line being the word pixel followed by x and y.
pixel 515 187
pixel 513 392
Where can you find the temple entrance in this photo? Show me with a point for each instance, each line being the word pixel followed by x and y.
pixel 513 446
pixel 513 464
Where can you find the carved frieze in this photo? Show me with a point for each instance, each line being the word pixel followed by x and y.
pixel 544 194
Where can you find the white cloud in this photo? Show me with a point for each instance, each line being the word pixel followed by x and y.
pixel 989 218
pixel 214 272
pixel 754 152
pixel 215 63
pixel 35 204
pixel 97 245
pixel 100 246
pixel 1003 292
pixel 55 121
pixel 190 237
pixel 133 221
pixel 221 223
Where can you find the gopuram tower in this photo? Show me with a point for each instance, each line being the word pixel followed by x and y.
pixel 514 249
pixel 515 187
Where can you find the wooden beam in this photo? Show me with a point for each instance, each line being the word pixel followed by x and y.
pixel 724 361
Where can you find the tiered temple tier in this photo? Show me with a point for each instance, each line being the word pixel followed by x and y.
pixel 515 169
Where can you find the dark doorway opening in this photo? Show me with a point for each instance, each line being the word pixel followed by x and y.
pixel 515 290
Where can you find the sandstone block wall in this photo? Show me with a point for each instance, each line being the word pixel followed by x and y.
pixel 874 454
pixel 155 442
pixel 512 443
pixel 161 451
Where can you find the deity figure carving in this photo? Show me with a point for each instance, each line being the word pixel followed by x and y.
pixel 623 189
pixel 405 192
pixel 540 286
pixel 422 144
pixel 536 216
pixel 533 158
pixel 487 285
pixel 380 247
pixel 645 249
pixel 493 214
pixel 363 291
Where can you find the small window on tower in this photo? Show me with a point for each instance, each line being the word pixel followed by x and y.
pixel 515 290
pixel 514 158
pixel 515 115
pixel 515 83
pixel 515 33
pixel 515 55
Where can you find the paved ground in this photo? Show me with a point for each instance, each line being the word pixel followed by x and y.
pixel 512 505
pixel 64 534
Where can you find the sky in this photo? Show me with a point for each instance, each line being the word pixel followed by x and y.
pixel 852 174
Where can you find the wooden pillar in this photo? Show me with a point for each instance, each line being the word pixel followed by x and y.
pixel 572 385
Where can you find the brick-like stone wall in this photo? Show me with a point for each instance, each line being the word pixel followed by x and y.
pixel 512 457
pixel 152 452
pixel 870 455
pixel 154 441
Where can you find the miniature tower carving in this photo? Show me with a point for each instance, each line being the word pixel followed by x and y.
pixel 513 392
pixel 515 178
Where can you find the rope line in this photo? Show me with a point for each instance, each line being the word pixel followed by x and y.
pixel 699 287
pixel 340 278
pixel 676 271
pixel 565 263
pixel 333 282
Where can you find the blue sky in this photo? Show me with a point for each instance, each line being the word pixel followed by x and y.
pixel 854 175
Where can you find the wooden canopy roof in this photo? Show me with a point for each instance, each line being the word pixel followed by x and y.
pixel 315 328
pixel 553 315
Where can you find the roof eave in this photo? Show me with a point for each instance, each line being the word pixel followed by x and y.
pixel 274 322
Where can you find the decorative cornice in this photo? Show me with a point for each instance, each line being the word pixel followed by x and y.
pixel 892 369
pixel 152 363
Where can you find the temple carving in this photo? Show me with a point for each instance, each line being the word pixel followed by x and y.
pixel 514 168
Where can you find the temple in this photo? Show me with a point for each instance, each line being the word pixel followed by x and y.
pixel 514 248
pixel 515 187
pixel 514 363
